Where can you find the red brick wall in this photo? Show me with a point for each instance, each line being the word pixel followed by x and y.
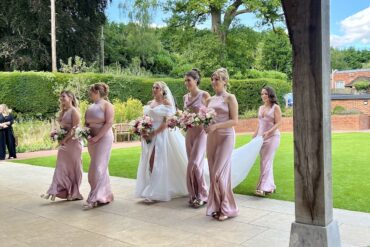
pixel 347 77
pixel 338 122
pixel 357 104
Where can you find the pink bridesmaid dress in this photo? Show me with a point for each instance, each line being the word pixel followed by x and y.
pixel 68 171
pixel 220 144
pixel 100 154
pixel 270 144
pixel 196 140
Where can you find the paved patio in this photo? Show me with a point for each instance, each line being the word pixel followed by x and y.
pixel 28 220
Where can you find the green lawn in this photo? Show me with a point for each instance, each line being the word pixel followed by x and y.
pixel 351 169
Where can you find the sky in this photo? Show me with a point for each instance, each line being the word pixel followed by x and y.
pixel 349 22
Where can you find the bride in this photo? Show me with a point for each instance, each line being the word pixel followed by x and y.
pixel 161 174
pixel 162 169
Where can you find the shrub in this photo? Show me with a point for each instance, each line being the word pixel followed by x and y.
pixel 32 93
pixel 338 109
pixel 249 114
pixel 33 135
pixel 362 85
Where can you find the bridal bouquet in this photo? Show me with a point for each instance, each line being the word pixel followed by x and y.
pixel 58 135
pixel 173 121
pixel 207 116
pixel 81 133
pixel 142 126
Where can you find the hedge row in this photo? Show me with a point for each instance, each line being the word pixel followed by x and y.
pixel 32 93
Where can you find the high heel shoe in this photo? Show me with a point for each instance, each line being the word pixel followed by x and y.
pixel 88 205
pixel 223 217
pixel 215 215
pixel 47 196
pixel 260 193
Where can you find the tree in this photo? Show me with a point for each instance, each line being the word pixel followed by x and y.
pixel 223 13
pixel 25 32
pixel 277 52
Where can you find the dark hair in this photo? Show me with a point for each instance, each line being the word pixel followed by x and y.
pixel 101 88
pixel 195 74
pixel 271 94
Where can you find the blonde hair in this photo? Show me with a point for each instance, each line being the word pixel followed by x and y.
pixel 6 110
pixel 222 74
pixel 61 108
pixel 163 86
pixel 101 88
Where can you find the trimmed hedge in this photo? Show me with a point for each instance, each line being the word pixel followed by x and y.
pixel 32 93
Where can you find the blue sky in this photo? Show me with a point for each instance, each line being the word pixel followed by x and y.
pixel 349 22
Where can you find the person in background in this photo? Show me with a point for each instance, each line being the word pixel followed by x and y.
pixel 6 122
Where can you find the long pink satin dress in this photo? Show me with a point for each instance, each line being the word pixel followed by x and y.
pixel 196 141
pixel 68 171
pixel 220 145
pixel 100 154
pixel 266 181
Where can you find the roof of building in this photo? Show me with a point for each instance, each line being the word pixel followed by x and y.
pixel 350 96
pixel 351 71
pixel 359 78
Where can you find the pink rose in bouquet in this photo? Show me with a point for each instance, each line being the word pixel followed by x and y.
pixel 142 127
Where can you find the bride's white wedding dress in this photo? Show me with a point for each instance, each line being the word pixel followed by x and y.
pixel 168 177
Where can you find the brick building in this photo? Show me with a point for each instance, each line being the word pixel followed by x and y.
pixel 346 78
pixel 359 102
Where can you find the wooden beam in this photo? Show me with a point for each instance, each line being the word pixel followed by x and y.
pixel 308 26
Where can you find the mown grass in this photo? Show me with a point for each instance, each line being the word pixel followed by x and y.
pixel 351 169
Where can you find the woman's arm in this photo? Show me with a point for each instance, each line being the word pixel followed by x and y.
pixel 278 118
pixel 10 120
pixel 206 96
pixel 163 125
pixel 233 108
pixel 109 117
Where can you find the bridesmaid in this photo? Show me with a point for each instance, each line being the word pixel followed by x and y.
pixel 99 118
pixel 68 171
pixel 9 133
pixel 269 120
pixel 220 144
pixel 3 127
pixel 196 140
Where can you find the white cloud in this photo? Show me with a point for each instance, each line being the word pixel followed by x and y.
pixel 356 29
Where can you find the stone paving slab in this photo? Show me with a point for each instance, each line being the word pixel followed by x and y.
pixel 28 220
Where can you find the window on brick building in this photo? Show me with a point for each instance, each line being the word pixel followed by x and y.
pixel 339 84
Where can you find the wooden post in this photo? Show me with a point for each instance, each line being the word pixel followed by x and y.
pixel 308 26
pixel 53 38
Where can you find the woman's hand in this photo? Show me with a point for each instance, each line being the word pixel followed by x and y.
pixel 94 139
pixel 210 128
pixel 62 142
pixel 266 134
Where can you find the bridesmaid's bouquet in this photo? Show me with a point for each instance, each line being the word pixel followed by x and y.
pixel 189 120
pixel 142 127
pixel 81 133
pixel 58 135
pixel 207 116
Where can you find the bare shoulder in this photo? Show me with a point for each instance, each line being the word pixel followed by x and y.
pixel 205 95
pixel 231 97
pixel 75 111
pixel 277 108
pixel 166 102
